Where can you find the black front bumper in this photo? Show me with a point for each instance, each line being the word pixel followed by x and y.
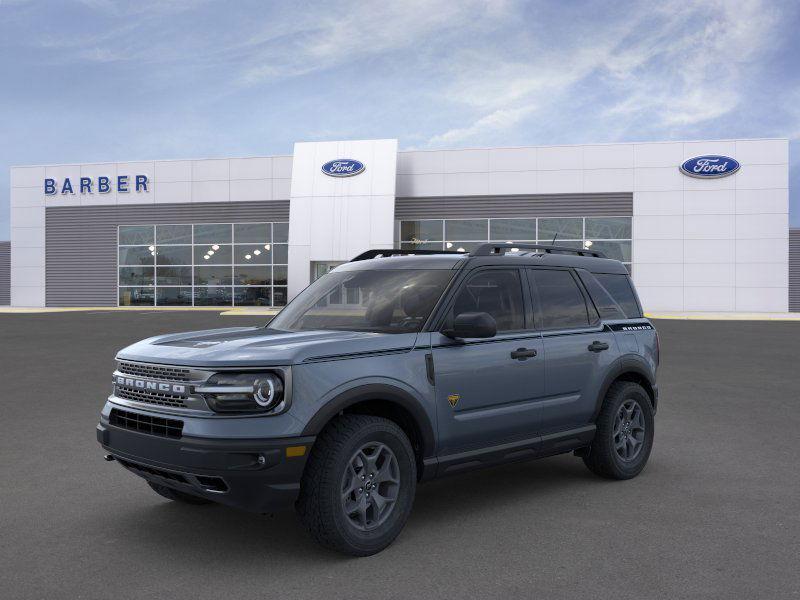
pixel 254 475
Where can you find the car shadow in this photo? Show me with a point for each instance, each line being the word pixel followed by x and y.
pixel 234 537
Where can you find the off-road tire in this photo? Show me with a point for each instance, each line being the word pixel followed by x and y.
pixel 602 457
pixel 320 502
pixel 176 495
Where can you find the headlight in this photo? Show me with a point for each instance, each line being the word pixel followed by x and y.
pixel 243 392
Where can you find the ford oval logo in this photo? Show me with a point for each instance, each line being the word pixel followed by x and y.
pixel 343 167
pixel 710 166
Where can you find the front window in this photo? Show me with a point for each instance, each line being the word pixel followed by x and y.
pixel 378 301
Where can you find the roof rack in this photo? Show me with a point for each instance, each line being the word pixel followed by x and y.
pixel 491 249
pixel 369 254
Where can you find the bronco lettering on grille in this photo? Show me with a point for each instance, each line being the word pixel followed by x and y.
pixel 154 386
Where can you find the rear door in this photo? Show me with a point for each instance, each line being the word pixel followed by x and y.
pixel 577 348
pixel 487 389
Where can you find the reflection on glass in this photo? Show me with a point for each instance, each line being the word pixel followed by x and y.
pixel 220 256
pixel 512 230
pixel 174 296
pixel 133 235
pixel 212 233
pixel 173 234
pixel 212 296
pixel 174 255
pixel 174 276
pixel 608 228
pixel 255 233
pixel 251 296
pixel 280 233
pixel 212 275
pixel 136 255
pixel 136 296
pixel 251 275
pixel 466 229
pixel 136 275
pixel 566 228
pixel 421 232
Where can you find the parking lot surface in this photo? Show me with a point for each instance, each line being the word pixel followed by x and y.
pixel 716 514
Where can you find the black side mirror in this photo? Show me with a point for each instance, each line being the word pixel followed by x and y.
pixel 472 325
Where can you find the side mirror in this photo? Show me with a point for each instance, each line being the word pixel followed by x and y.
pixel 472 325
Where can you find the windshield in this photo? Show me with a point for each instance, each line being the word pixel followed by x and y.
pixel 379 301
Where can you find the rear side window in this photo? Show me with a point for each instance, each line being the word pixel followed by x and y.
pixel 497 292
pixel 606 305
pixel 561 302
pixel 619 286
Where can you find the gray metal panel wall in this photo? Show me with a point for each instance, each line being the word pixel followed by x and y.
pixel 794 270
pixel 545 205
pixel 81 241
pixel 5 273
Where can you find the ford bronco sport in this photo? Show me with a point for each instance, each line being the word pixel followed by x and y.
pixel 395 368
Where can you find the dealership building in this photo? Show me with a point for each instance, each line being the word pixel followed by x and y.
pixel 701 225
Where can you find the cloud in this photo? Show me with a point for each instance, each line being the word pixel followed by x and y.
pixel 500 119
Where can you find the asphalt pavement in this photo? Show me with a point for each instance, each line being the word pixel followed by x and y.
pixel 716 513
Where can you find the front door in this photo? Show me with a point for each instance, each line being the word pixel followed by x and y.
pixel 487 390
pixel 577 349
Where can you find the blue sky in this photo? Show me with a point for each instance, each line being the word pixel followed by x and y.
pixel 96 80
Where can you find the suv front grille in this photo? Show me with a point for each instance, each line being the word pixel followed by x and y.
pixel 171 428
pixel 150 397
pixel 154 371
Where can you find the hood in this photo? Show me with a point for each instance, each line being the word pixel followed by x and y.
pixel 259 346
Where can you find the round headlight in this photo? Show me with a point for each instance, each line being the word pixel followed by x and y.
pixel 268 391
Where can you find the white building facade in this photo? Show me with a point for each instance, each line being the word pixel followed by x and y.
pixel 256 231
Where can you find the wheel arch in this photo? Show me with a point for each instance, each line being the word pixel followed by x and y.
pixel 386 401
pixel 633 369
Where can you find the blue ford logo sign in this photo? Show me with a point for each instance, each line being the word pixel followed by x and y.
pixel 710 166
pixel 343 167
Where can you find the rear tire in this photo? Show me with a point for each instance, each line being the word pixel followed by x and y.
pixel 359 484
pixel 177 496
pixel 624 436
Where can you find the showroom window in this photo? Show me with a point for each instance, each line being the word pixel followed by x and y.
pixel 610 235
pixel 209 264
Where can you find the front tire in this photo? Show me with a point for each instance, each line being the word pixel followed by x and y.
pixel 624 436
pixel 359 484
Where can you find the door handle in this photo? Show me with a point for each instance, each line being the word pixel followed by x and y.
pixel 598 346
pixel 523 353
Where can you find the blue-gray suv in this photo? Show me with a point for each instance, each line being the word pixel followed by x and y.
pixel 395 368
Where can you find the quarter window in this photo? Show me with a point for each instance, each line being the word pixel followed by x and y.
pixel 496 292
pixel 561 302
pixel 619 287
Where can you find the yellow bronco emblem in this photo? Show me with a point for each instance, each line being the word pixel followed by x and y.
pixel 453 399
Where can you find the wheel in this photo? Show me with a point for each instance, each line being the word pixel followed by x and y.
pixel 624 434
pixel 359 484
pixel 177 496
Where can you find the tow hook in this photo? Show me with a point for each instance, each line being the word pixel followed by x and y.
pixel 108 457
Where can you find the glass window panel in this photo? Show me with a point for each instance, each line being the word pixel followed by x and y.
pixel 136 255
pixel 619 287
pixel 512 230
pixel 280 254
pixel 279 296
pixel 255 233
pixel 577 244
pixel 608 228
pixel 173 234
pixel 174 255
pixel 462 246
pixel 280 233
pixel 252 275
pixel 561 302
pixel 174 296
pixel 212 296
pixel 220 256
pixel 212 275
pixel 616 250
pixel 252 296
pixel 566 228
pixel 174 275
pixel 136 296
pixel 428 246
pixel 466 229
pixel 212 233
pixel 244 254
pixel 279 275
pixel 134 235
pixel 496 292
pixel 429 230
pixel 136 275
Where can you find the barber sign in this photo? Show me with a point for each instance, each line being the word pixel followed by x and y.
pixel 710 166
pixel 343 167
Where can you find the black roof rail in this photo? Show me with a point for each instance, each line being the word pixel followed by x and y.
pixel 495 248
pixel 369 254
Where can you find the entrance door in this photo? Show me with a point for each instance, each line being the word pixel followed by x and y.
pixel 487 390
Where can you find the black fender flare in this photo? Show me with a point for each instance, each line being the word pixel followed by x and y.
pixel 376 391
pixel 631 363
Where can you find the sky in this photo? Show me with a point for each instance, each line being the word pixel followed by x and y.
pixel 96 80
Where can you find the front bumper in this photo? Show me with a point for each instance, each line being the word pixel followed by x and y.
pixel 256 475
